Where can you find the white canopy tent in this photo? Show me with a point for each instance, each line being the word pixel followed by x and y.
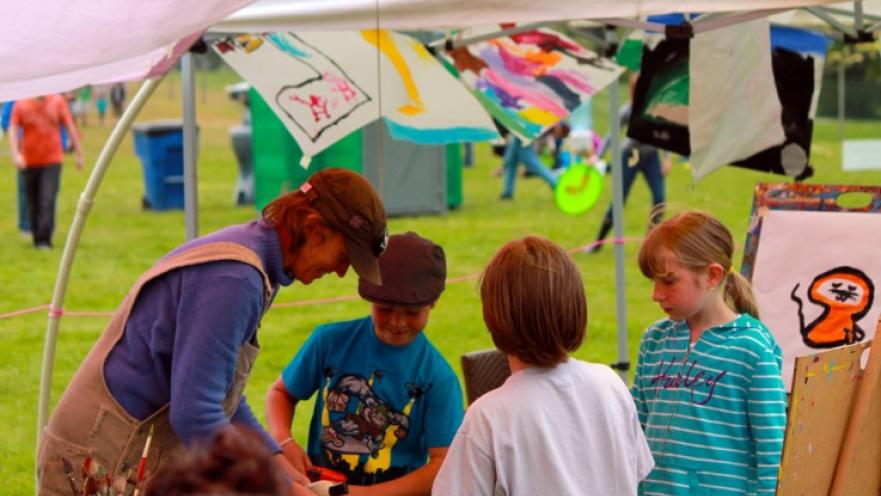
pixel 52 47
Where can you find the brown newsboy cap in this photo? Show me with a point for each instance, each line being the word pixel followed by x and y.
pixel 414 272
pixel 348 203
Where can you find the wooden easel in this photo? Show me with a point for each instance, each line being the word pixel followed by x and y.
pixel 833 431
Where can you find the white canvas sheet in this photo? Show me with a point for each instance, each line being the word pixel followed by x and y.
pixel 734 111
pixel 796 247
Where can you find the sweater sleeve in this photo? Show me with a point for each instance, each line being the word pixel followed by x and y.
pixel 766 410
pixel 215 317
pixel 244 415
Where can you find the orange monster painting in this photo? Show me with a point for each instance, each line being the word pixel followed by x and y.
pixel 846 295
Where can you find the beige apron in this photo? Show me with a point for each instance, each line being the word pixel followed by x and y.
pixel 88 421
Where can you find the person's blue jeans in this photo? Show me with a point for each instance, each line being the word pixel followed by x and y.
pixel 649 164
pixel 24 219
pixel 515 153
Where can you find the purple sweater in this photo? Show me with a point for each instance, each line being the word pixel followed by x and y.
pixel 184 333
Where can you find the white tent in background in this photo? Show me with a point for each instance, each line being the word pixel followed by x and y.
pixel 51 47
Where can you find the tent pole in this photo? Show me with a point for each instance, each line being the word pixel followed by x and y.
pixel 618 217
pixel 191 145
pixel 841 100
pixel 832 21
pixel 84 205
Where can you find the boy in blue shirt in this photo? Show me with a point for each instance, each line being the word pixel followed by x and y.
pixel 388 404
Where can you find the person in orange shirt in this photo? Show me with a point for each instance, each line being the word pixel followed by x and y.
pixel 35 140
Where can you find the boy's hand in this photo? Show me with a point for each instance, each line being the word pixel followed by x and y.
pixel 78 161
pixel 296 456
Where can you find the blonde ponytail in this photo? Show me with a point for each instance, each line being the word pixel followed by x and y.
pixel 739 294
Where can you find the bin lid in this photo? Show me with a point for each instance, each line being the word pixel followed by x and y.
pixel 159 126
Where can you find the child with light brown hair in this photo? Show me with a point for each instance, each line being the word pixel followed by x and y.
pixel 708 385
pixel 557 425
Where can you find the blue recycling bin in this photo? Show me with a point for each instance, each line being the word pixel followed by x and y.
pixel 160 147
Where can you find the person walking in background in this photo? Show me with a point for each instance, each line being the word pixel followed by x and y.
pixel 24 218
pixel 117 99
pixel 35 141
pixel 637 158
pixel 83 99
pixel 708 384
pixel 101 102
pixel 515 153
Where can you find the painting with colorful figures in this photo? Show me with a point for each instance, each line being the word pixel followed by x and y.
pixel 323 86
pixel 816 299
pixel 532 80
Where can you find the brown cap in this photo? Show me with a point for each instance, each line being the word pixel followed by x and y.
pixel 414 271
pixel 350 205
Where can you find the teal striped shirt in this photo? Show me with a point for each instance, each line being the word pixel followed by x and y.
pixel 714 413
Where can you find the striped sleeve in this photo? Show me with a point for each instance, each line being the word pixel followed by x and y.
pixel 636 390
pixel 766 410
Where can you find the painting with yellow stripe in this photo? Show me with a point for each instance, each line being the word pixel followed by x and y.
pixel 530 81
pixel 325 85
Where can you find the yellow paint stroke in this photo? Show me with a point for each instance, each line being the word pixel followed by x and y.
pixel 386 44
pixel 420 51
pixel 538 116
pixel 249 42
pixel 384 460
pixel 827 369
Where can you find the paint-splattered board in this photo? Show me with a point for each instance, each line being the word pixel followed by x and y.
pixel 823 394
pixel 859 463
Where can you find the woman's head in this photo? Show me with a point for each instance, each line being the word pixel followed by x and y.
pixel 533 301
pixel 688 257
pixel 336 218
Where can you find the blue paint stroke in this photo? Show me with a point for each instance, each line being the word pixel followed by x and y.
pixel 439 136
pixel 286 46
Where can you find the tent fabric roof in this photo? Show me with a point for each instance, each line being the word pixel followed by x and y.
pixel 52 46
pixel 277 15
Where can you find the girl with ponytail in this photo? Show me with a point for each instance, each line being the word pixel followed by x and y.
pixel 708 385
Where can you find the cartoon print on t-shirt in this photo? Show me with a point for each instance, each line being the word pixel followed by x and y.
pixel 358 420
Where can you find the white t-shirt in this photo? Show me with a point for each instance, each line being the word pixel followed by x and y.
pixel 567 430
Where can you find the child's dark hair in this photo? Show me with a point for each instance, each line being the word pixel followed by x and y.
pixel 533 301
pixel 235 461
pixel 697 240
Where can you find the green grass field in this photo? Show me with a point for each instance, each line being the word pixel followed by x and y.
pixel 121 240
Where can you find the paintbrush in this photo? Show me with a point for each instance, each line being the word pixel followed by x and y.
pixel 68 471
pixel 142 465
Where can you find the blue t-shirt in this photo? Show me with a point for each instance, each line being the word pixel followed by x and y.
pixel 380 407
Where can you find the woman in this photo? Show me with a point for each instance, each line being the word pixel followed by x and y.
pixel 177 354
